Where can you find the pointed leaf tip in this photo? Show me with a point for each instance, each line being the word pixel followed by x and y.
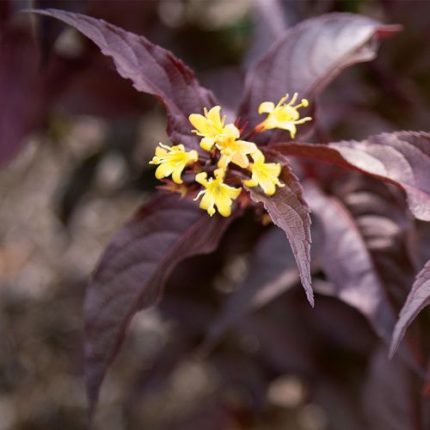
pixel 417 300
pixel 289 211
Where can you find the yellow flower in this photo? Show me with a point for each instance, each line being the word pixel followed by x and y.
pixel 235 151
pixel 172 161
pixel 211 127
pixel 216 193
pixel 283 115
pixel 266 175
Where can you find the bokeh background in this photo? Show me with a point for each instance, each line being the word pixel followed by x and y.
pixel 86 137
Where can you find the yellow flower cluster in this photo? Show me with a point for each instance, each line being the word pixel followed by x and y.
pixel 223 142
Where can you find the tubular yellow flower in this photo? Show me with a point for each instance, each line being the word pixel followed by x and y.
pixel 235 151
pixel 172 161
pixel 283 115
pixel 216 193
pixel 266 175
pixel 211 128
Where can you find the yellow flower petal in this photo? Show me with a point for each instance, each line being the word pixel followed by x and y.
pixel 240 159
pixel 214 115
pixel 266 107
pixel 224 207
pixel 208 203
pixel 258 157
pixel 163 170
pixel 224 161
pixel 160 152
pixel 268 186
pixel 176 176
pixel 207 143
pixel 231 131
pixel 202 125
pixel 201 178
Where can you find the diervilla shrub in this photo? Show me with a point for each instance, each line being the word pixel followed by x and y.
pixel 226 167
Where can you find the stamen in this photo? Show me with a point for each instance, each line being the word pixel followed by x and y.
pixel 283 100
pixel 293 99
pixel 200 193
pixel 301 121
pixel 303 103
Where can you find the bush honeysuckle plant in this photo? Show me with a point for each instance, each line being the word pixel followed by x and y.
pixel 253 164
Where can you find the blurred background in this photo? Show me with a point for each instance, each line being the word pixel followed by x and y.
pixel 76 141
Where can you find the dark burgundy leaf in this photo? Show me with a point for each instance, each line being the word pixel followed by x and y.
pixel 289 211
pixel 402 158
pixel 387 227
pixel 269 25
pixel 20 89
pixel 309 56
pixel 347 262
pixel 152 70
pixel 391 396
pixel 418 299
pixel 272 270
pixel 286 345
pixel 27 88
pixel 4 12
pixel 133 270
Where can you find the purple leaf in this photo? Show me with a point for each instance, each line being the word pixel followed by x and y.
pixel 285 344
pixel 387 227
pixel 20 89
pixel 309 56
pixel 289 211
pixel 272 270
pixel 391 398
pixel 418 299
pixel 152 70
pixel 133 270
pixel 402 158
pixel 347 262
pixel 269 24
pixel 29 87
